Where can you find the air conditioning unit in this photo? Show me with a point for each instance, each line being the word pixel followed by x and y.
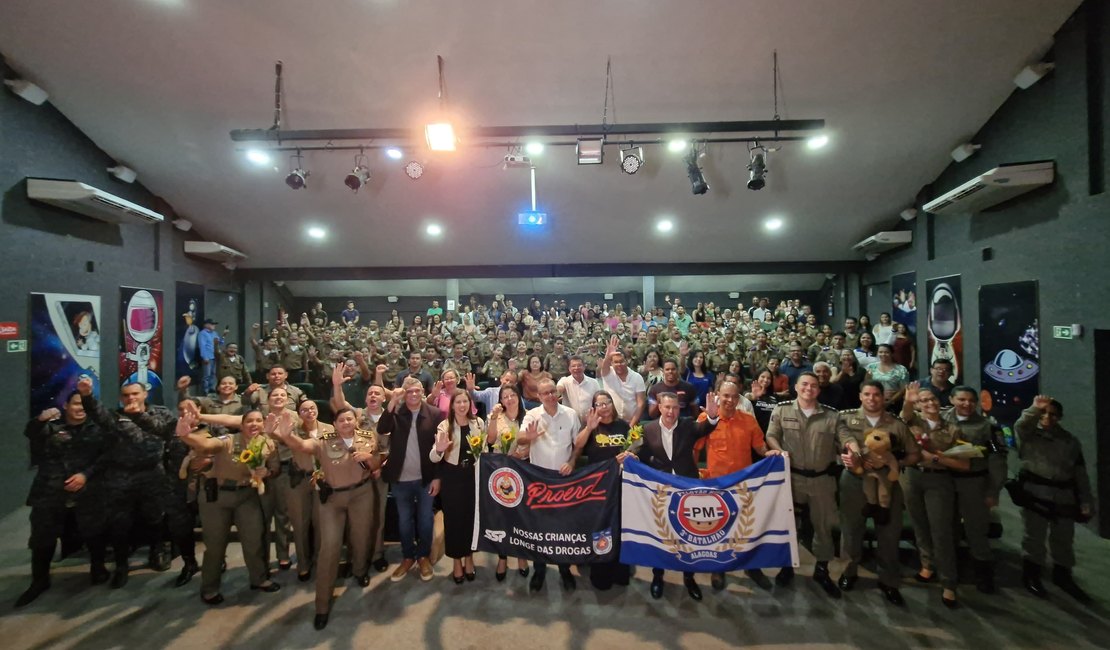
pixel 999 184
pixel 884 241
pixel 89 201
pixel 213 251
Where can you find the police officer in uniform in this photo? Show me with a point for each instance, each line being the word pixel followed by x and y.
pixel 852 428
pixel 296 482
pixel 229 498
pixel 806 430
pixel 1057 491
pixel 64 449
pixel 134 480
pixel 930 490
pixel 977 490
pixel 347 457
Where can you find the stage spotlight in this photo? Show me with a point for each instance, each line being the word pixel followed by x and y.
pixel 757 169
pixel 359 176
pixel 394 153
pixel 440 136
pixel 632 159
pixel 591 151
pixel 298 178
pixel 697 180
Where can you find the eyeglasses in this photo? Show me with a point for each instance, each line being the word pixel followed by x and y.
pixel 548 392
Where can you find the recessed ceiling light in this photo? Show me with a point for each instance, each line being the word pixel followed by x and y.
pixel 394 153
pixel 317 232
pixel 676 145
pixel 534 148
pixel 772 224
pixel 664 225
pixel 258 157
pixel 817 142
pixel 434 229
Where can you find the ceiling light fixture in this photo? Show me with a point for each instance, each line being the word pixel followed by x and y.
pixel 359 176
pixel 693 172
pixel 298 177
pixel 534 148
pixel 414 169
pixel 123 173
pixel 258 157
pixel 632 159
pixel 441 135
pixel 665 225
pixel 817 142
pixel 434 230
pixel 394 153
pixel 773 224
pixel 591 151
pixel 316 232
pixel 677 146
pixel 27 90
pixel 757 168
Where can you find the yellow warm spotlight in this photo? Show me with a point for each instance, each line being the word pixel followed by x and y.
pixel 440 136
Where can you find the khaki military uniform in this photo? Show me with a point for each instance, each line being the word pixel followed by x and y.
pixel 1054 475
pixel 930 495
pixel 296 492
pixel 757 359
pixel 812 445
pixel 557 365
pixel 984 480
pixel 852 425
pixel 349 502
pixel 236 503
pixel 213 405
pixel 261 397
pixel 718 362
pixel 494 368
pixel 236 368
pixel 379 487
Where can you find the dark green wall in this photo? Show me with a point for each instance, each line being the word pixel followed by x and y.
pixel 46 249
pixel 1058 236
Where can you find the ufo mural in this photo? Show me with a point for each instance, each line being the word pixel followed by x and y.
pixel 1009 349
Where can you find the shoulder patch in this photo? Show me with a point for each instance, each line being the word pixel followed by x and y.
pixel 328 435
pixel 364 433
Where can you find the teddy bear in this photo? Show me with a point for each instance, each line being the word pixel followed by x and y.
pixel 877 483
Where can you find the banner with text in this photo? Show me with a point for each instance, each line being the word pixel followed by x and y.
pixel 741 521
pixel 534 513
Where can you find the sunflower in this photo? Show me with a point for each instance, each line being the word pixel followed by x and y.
pixel 602 439
pixel 634 434
pixel 507 437
pixel 474 441
pixel 246 456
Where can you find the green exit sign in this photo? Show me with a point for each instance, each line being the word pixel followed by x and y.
pixel 17 346
pixel 1062 332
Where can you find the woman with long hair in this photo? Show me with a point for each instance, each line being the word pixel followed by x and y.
pixel 780 383
pixel 892 376
pixel 699 376
pixel 762 397
pixel 884 331
pixel 457 458
pixel 867 353
pixel 850 376
pixel 905 351
pixel 505 420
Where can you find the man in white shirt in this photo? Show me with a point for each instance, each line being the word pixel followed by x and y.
pixel 624 384
pixel 551 429
pixel 576 390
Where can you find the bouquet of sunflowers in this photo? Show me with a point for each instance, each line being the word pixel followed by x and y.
pixel 254 456
pixel 507 439
pixel 635 434
pixel 475 441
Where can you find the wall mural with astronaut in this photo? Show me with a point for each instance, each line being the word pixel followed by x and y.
pixel 903 289
pixel 189 311
pixel 65 346
pixel 1009 349
pixel 140 345
pixel 945 324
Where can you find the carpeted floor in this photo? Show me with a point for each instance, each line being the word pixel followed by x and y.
pixel 149 613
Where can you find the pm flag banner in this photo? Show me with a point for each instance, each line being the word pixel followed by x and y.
pixel 741 521
pixel 534 513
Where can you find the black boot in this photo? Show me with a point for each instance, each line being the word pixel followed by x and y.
pixel 119 576
pixel 1031 578
pixel 40 574
pixel 157 557
pixel 98 575
pixel 984 576
pixel 1061 577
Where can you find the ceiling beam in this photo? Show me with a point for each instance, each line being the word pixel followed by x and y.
pixel 323 274
pixel 550 130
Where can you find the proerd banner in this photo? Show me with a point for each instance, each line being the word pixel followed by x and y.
pixel 534 513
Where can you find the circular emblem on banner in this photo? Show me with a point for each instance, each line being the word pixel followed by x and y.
pixel 506 487
pixel 702 517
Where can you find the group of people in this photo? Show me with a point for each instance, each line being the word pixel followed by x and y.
pixel 410 411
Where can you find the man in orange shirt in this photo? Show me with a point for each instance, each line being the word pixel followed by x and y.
pixel 729 449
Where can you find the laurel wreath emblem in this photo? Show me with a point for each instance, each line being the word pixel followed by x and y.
pixel 666 535
pixel 744 528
